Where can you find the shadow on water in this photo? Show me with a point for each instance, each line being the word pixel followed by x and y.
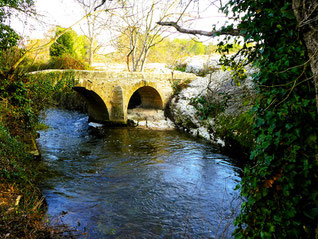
pixel 135 183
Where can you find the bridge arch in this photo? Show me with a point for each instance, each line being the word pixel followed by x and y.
pixel 145 97
pixel 108 93
pixel 97 109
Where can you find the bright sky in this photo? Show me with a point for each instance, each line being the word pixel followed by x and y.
pixel 66 12
pixel 53 12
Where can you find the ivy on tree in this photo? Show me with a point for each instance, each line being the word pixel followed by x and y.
pixel 279 184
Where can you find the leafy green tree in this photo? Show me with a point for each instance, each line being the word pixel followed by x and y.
pixel 81 47
pixel 69 44
pixel 65 44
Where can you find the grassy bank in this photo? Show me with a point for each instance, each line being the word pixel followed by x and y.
pixel 23 97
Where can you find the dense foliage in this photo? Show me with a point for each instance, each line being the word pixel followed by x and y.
pixel 64 44
pixel 69 44
pixel 280 183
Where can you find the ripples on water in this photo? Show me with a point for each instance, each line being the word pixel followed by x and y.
pixel 134 183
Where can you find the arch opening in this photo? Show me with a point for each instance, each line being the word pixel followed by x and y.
pixel 97 109
pixel 145 97
pixel 135 100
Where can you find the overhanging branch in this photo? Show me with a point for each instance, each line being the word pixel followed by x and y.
pixel 225 31
pixel 102 3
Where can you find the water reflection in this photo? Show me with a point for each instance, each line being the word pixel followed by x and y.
pixel 134 183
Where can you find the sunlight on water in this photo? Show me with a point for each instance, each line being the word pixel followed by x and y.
pixel 135 183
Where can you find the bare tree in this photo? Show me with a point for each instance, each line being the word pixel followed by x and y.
pixel 137 23
pixel 95 24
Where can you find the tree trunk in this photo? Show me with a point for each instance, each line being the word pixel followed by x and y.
pixel 311 41
pixel 306 12
pixel 91 52
pixel 143 62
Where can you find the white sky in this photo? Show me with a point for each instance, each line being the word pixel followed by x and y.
pixel 65 13
pixel 53 12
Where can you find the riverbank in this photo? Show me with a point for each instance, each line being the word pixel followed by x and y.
pixel 22 206
pixel 216 109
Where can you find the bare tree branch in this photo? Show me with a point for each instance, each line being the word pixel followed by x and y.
pixel 103 1
pixel 225 31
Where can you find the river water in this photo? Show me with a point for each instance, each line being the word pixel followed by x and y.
pixel 135 183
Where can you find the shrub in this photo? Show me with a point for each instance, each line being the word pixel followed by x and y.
pixel 180 67
pixel 236 131
pixel 64 44
pixel 11 154
pixel 209 106
pixel 66 62
pixel 178 85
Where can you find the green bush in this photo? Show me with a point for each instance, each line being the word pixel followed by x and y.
pixel 208 106
pixel 69 44
pixel 180 67
pixel 64 44
pixel 12 157
pixel 236 131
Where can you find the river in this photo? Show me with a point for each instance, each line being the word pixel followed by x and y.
pixel 135 183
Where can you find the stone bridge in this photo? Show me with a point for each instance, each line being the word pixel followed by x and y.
pixel 109 95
